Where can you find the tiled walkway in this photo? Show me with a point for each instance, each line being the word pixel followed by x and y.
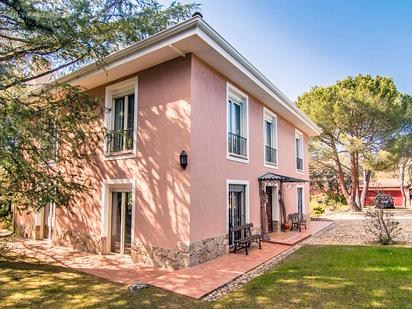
pixel 195 281
pixel 292 238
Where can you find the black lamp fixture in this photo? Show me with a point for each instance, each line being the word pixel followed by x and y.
pixel 183 159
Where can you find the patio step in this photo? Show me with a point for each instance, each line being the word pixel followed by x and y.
pixel 289 238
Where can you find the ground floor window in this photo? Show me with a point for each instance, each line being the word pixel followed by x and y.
pixel 121 222
pixel 237 209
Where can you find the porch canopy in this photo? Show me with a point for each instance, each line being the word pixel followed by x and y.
pixel 270 180
pixel 279 178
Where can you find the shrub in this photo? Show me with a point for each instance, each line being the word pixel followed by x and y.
pixel 326 203
pixel 6 217
pixel 380 224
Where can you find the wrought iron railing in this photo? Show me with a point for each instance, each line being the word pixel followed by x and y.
pixel 270 154
pixel 120 140
pixel 237 145
pixel 299 164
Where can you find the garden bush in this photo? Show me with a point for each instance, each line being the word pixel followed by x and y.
pixel 326 203
pixel 380 224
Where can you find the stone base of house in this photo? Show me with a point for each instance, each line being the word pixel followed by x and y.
pixel 186 254
pixel 276 226
pixel 79 241
pixel 28 231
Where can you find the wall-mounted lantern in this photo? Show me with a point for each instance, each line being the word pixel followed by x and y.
pixel 183 159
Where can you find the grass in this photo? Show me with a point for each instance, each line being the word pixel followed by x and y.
pixel 313 277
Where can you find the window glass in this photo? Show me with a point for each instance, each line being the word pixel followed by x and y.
pixel 119 114
pixel 130 111
pixel 269 131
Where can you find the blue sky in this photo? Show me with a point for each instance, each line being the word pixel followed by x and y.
pixel 299 44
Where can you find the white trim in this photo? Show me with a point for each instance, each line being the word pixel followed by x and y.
pixel 300 135
pixel 267 113
pixel 278 215
pixel 237 182
pixel 303 198
pixel 105 217
pixel 232 91
pixel 128 86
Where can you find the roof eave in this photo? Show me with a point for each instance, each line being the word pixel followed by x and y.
pixel 199 23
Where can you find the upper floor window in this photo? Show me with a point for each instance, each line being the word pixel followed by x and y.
pixel 299 150
pixel 237 124
pixel 120 119
pixel 270 137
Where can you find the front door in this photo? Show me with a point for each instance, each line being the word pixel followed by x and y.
pixel 299 192
pixel 121 223
pixel 237 209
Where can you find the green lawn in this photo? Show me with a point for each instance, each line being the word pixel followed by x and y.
pixel 313 277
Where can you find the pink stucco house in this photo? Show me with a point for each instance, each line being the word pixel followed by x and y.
pixel 183 90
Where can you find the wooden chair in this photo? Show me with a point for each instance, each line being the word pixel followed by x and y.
pixel 297 221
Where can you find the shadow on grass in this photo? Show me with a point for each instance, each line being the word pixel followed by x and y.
pixel 314 277
pixel 332 277
pixel 38 285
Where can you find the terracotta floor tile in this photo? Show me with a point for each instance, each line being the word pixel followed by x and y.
pixel 292 238
pixel 195 281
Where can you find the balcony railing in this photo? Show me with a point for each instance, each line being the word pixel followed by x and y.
pixel 237 145
pixel 119 141
pixel 270 155
pixel 299 164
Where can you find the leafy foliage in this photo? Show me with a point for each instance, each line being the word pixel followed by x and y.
pixel 359 116
pixel 44 126
pixel 380 224
pixel 329 202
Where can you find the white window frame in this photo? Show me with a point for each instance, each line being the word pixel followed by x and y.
pixel 126 87
pixel 233 93
pixel 268 115
pixel 299 135
pixel 108 186
pixel 303 199
pixel 237 182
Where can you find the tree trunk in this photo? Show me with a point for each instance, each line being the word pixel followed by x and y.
pixel 366 179
pixel 402 169
pixel 357 190
pixel 341 177
pixel 352 203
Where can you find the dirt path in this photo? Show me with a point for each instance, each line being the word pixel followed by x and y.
pixel 349 229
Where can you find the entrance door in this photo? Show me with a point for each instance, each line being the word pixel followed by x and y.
pixel 121 223
pixel 299 192
pixel 237 209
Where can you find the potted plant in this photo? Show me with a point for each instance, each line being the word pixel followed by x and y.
pixel 286 227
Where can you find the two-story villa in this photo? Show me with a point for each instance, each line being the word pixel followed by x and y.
pixel 197 140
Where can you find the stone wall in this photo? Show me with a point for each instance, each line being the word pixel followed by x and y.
pixel 79 241
pixel 184 255
pixel 28 231
pixel 276 226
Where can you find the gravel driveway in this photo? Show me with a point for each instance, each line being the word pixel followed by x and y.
pixel 349 229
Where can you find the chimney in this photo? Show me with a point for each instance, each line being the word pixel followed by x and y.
pixel 197 14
